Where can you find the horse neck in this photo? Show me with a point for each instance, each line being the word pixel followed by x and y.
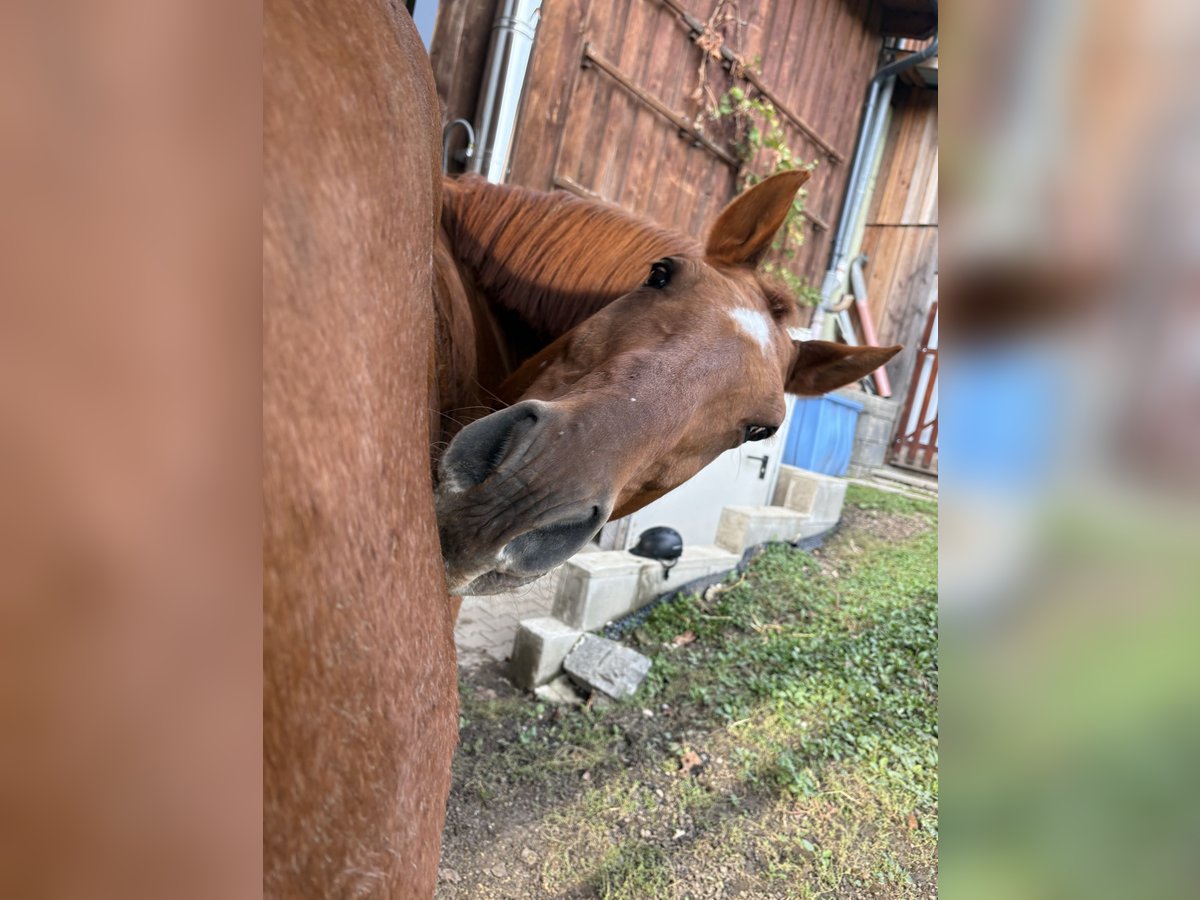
pixel 541 263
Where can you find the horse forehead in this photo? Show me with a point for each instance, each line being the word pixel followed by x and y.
pixel 753 324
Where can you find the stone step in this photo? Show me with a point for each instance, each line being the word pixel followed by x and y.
pixel 818 496
pixel 909 480
pixel 743 527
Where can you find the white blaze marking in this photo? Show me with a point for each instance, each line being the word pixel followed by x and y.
pixel 754 325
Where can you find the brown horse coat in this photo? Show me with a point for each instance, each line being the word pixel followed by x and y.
pixel 359 695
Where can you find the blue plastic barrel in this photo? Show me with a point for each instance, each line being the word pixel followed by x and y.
pixel 821 436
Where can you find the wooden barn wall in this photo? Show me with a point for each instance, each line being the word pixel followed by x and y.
pixel 901 234
pixel 609 111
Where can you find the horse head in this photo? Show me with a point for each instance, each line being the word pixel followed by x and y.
pixel 635 400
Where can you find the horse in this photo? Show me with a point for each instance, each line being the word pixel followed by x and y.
pixel 462 382
pixel 625 357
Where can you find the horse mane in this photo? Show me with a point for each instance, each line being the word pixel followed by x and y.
pixel 553 259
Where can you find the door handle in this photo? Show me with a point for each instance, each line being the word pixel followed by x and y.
pixel 762 464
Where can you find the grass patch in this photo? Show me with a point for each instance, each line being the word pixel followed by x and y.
pixel 810 696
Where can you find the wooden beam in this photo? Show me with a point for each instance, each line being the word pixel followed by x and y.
pixel 592 57
pixel 570 185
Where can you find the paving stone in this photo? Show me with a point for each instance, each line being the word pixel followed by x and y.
pixel 487 625
pixel 606 666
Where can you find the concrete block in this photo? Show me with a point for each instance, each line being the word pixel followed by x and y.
pixel 873 432
pixel 598 587
pixel 872 429
pixel 873 405
pixel 818 496
pixel 606 666
pixel 742 527
pixel 539 649
pixel 696 562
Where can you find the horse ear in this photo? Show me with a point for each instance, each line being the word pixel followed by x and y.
pixel 821 366
pixel 745 228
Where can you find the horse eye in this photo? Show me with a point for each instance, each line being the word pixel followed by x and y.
pixel 758 432
pixel 660 274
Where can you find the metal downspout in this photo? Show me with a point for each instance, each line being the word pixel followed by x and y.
pixel 508 60
pixel 870 132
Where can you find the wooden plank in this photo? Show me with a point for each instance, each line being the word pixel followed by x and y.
pixel 905 324
pixel 550 82
pixel 670 155
pixel 686 193
pixel 837 81
pixel 637 56
pixel 908 168
pixel 882 270
pixel 645 136
pixel 927 460
pixel 609 28
pixel 914 263
pixel 828 74
pixel 575 130
pixel 928 214
pixel 878 198
pixel 927 163
pixel 886 190
pixel 781 47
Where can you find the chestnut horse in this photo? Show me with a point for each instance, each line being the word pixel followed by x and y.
pixel 619 358
pixel 632 356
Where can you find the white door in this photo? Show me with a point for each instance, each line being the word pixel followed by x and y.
pixel 735 478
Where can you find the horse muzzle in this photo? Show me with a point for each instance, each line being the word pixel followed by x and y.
pixel 507 500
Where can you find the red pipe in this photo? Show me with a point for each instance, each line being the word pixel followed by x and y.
pixel 871 339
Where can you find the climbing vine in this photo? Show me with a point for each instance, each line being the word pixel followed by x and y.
pixel 761 147
pixel 753 127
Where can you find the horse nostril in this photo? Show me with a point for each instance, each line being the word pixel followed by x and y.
pixel 483 446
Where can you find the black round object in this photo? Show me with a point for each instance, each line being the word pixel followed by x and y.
pixel 661 543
